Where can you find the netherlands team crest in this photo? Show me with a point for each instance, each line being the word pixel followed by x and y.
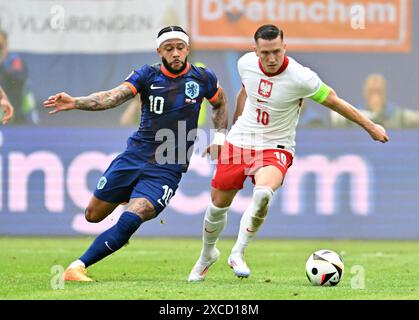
pixel 265 88
pixel 191 89
pixel 101 183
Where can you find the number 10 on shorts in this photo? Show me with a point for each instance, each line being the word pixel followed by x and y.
pixel 168 193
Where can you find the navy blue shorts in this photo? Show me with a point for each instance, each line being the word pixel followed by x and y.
pixel 129 177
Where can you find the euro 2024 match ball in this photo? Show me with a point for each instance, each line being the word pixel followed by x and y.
pixel 324 268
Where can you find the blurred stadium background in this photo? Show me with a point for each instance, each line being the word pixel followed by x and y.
pixel 342 184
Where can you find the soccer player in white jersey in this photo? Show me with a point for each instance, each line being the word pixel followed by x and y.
pixel 261 141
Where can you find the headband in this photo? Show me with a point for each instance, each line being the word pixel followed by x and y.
pixel 172 35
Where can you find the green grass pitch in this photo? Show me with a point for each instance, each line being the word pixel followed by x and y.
pixel 157 269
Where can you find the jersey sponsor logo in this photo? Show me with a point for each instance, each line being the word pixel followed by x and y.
pixel 152 87
pixel 191 89
pixel 265 88
pixel 101 183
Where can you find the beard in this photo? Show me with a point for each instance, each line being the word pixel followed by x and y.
pixel 170 69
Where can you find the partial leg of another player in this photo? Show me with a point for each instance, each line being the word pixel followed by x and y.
pixel 138 211
pixel 267 180
pixel 214 223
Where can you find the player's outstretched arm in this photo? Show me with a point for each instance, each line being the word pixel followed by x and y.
pixel 220 120
pixel 219 112
pixel 6 106
pixel 95 102
pixel 344 108
pixel 240 101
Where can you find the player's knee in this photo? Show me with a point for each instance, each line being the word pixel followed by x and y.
pixel 221 199
pixel 262 197
pixel 220 203
pixel 91 216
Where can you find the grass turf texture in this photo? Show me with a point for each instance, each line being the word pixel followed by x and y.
pixel 154 268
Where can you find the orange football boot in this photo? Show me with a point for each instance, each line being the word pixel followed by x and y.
pixel 76 274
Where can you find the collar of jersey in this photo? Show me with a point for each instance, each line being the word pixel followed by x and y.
pixel 172 75
pixel 280 70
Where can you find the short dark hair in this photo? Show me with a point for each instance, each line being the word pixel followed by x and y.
pixel 171 28
pixel 268 32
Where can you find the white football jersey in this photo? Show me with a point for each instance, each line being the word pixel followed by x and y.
pixel 273 103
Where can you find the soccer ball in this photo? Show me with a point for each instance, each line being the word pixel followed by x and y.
pixel 324 268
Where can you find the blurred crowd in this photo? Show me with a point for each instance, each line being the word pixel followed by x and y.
pixel 14 79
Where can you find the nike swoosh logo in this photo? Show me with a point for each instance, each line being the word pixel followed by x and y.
pixel 209 231
pixel 153 87
pixel 263 101
pixel 204 271
pixel 106 244
pixel 248 230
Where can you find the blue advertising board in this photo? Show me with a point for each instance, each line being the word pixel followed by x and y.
pixel 342 184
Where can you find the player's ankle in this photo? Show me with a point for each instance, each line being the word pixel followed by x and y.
pixel 208 247
pixel 207 251
pixel 76 264
pixel 238 250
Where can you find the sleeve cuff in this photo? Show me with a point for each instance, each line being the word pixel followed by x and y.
pixel 215 96
pixel 129 85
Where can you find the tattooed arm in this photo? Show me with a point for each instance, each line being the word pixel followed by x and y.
pixel 95 102
pixel 6 106
pixel 220 120
pixel 219 112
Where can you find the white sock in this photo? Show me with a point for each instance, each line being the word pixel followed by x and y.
pixel 253 218
pixel 214 223
pixel 76 264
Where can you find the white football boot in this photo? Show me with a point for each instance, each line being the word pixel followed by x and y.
pixel 239 266
pixel 200 269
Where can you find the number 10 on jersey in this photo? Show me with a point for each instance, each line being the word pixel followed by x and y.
pixel 262 117
pixel 156 104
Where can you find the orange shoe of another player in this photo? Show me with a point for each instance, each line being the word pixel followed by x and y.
pixel 76 274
